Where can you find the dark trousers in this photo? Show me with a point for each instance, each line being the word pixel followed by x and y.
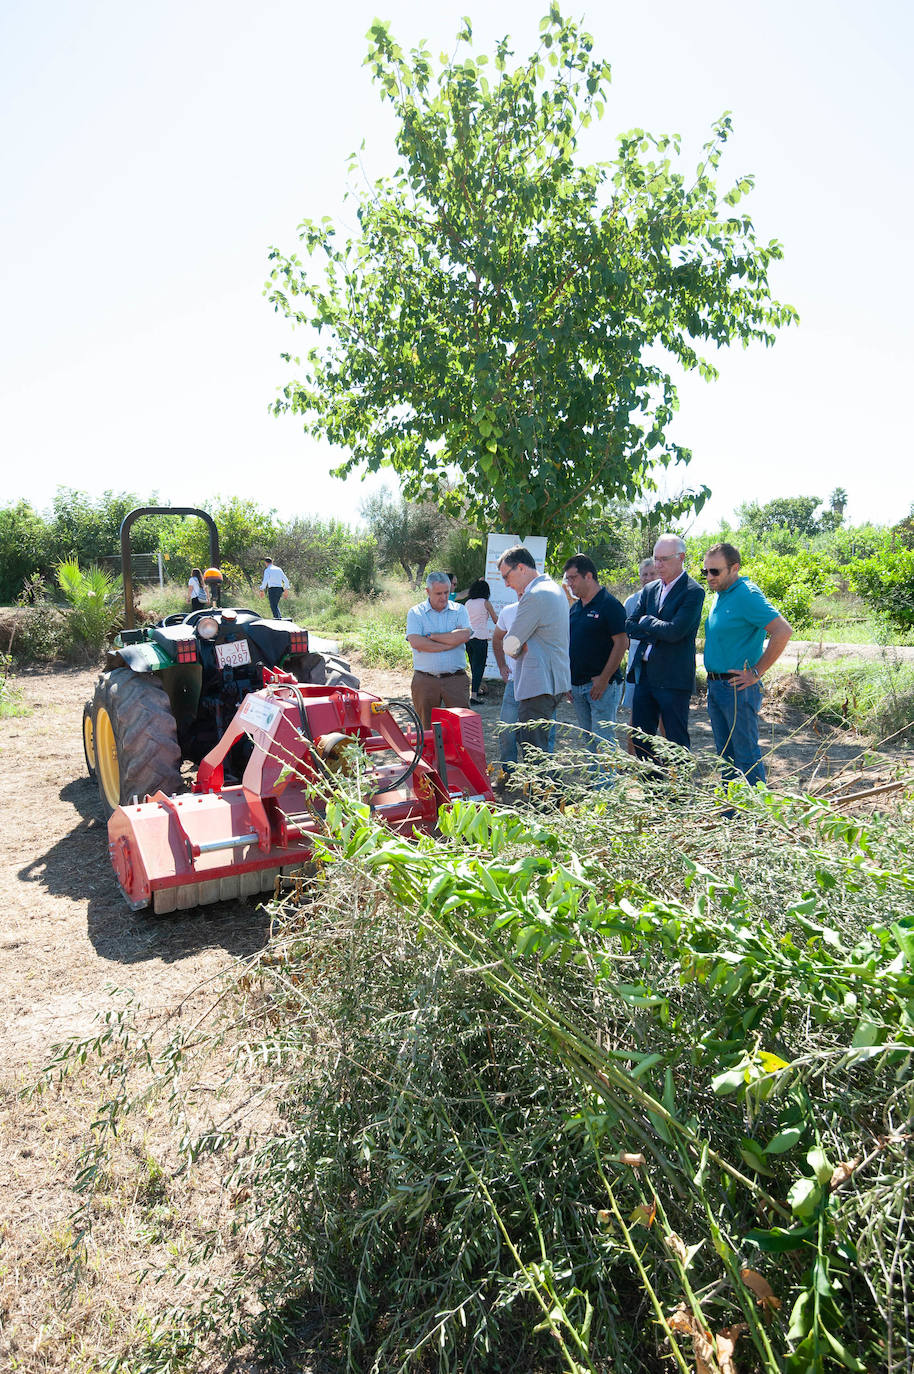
pixel 541 709
pixel 477 652
pixel 653 701
pixel 274 596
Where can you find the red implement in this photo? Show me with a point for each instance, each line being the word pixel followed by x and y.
pixel 230 841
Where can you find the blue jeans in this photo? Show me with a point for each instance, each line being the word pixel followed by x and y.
pixel 274 596
pixel 597 718
pixel 507 739
pixel 734 723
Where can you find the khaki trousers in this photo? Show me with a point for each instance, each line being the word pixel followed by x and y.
pixel 429 692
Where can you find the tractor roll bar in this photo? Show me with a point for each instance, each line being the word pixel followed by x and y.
pixel 126 572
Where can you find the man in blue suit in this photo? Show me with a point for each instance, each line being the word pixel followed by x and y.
pixel 665 622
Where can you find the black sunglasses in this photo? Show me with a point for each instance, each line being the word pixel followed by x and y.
pixel 711 572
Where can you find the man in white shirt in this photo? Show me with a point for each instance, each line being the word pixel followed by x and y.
pixel 437 630
pixel 274 586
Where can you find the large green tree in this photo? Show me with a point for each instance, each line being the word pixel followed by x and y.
pixel 502 329
pixel 794 513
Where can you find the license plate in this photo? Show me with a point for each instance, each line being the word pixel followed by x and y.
pixel 234 654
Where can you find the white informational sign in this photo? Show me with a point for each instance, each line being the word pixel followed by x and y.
pixel 496 545
pixel 260 712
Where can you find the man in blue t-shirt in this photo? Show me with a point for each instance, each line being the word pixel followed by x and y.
pixel 597 646
pixel 736 657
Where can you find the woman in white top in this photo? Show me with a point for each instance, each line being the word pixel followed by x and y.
pixel 199 599
pixel 482 620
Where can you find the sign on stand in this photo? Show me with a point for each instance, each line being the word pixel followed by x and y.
pixel 501 595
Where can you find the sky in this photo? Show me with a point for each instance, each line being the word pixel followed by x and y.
pixel 152 154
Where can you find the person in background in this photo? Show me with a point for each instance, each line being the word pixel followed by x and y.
pixel 274 586
pixel 197 589
pixel 665 622
pixel 736 657
pixel 482 622
pixel 437 630
pixel 597 647
pixel 452 579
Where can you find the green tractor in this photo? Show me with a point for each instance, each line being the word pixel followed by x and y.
pixel 169 690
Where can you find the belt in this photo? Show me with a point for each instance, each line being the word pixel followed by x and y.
pixel 452 673
pixel 722 677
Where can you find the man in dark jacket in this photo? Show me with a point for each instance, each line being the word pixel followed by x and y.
pixel 665 622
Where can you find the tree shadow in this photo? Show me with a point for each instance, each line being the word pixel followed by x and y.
pixel 77 866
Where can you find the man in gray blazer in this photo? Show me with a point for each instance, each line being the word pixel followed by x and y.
pixel 538 643
pixel 665 622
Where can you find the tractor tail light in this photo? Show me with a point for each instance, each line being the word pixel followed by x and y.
pixel 298 641
pixel 187 651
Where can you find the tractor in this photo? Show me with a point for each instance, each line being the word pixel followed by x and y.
pixel 169 690
pixel 271 726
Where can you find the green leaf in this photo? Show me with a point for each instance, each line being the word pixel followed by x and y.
pixel 753 1155
pixel 849 1360
pixel 817 1161
pixel 729 1081
pixel 784 1140
pixel 801 1317
pixel 804 1197
pixel 778 1238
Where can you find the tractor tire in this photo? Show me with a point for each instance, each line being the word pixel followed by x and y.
pixel 89 739
pixel 338 672
pixel 134 739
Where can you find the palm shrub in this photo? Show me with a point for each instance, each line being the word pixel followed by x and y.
pixel 95 598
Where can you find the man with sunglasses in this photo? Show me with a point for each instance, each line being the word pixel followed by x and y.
pixel 736 658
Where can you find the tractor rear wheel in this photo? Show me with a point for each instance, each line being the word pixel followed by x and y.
pixel 134 738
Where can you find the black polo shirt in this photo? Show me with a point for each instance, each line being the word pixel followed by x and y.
pixel 592 629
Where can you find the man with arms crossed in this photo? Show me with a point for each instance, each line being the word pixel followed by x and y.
pixel 664 622
pixel 597 647
pixel 538 643
pixel 437 630
pixel 736 657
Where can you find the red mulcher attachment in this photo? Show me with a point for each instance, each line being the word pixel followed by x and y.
pixel 223 841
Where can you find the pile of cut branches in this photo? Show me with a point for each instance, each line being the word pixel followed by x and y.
pixel 618 1085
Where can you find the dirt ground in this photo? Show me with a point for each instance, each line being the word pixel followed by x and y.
pixel 67 939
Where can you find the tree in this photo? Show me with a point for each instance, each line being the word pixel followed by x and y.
pixel 408 534
pixel 493 333
pixel 246 534
pixel 837 502
pixel 24 546
pixel 794 513
pixel 89 529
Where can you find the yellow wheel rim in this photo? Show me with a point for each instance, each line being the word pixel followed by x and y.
pixel 89 741
pixel 109 770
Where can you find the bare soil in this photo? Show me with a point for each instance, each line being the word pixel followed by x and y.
pixel 67 939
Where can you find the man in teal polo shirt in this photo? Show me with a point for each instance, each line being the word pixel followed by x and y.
pixel 736 658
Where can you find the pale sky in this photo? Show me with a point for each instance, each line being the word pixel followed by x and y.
pixel 152 154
